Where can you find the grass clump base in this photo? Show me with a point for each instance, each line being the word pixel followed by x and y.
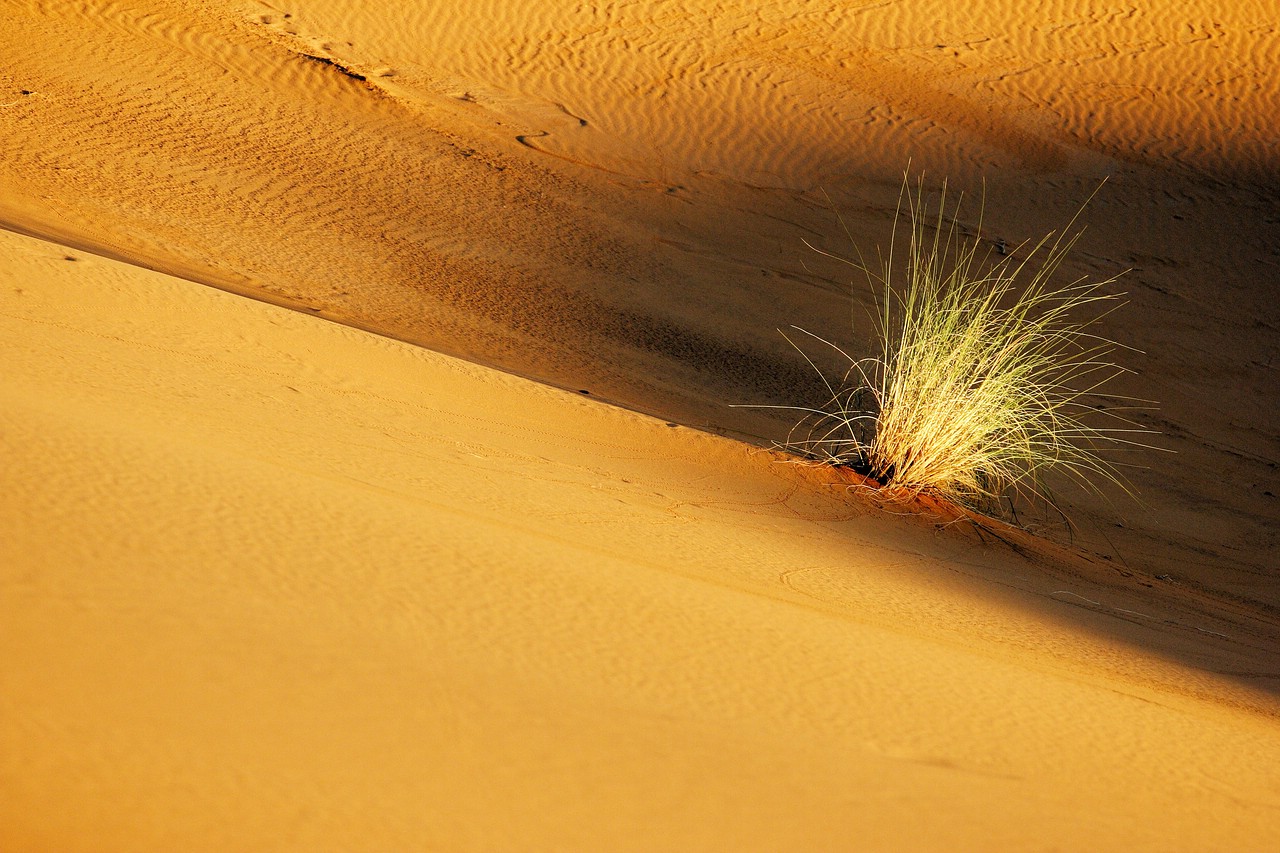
pixel 987 372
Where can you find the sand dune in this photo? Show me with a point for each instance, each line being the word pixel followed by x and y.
pixel 270 580
pixel 276 583
pixel 782 93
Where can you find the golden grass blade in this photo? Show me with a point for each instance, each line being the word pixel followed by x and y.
pixel 978 388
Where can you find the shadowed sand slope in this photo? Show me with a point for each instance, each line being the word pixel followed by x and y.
pixel 274 583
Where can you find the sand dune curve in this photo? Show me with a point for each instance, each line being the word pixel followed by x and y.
pixel 273 583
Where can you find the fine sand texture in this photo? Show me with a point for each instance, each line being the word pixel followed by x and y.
pixel 373 478
pixel 274 583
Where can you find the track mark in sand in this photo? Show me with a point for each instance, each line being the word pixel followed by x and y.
pixel 926 759
pixel 1100 607
pixel 24 93
pixel 314 48
pixel 630 180
pixel 342 69
pixel 524 138
pixel 582 122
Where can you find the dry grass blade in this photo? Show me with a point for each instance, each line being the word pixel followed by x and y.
pixel 979 388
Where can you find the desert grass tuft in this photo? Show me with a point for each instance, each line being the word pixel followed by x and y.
pixel 989 376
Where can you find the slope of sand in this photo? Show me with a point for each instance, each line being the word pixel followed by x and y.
pixel 614 197
pixel 268 579
pixel 273 583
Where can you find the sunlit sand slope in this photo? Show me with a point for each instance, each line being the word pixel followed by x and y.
pixel 778 93
pixel 272 583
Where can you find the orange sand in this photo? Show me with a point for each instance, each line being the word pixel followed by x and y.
pixel 270 581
